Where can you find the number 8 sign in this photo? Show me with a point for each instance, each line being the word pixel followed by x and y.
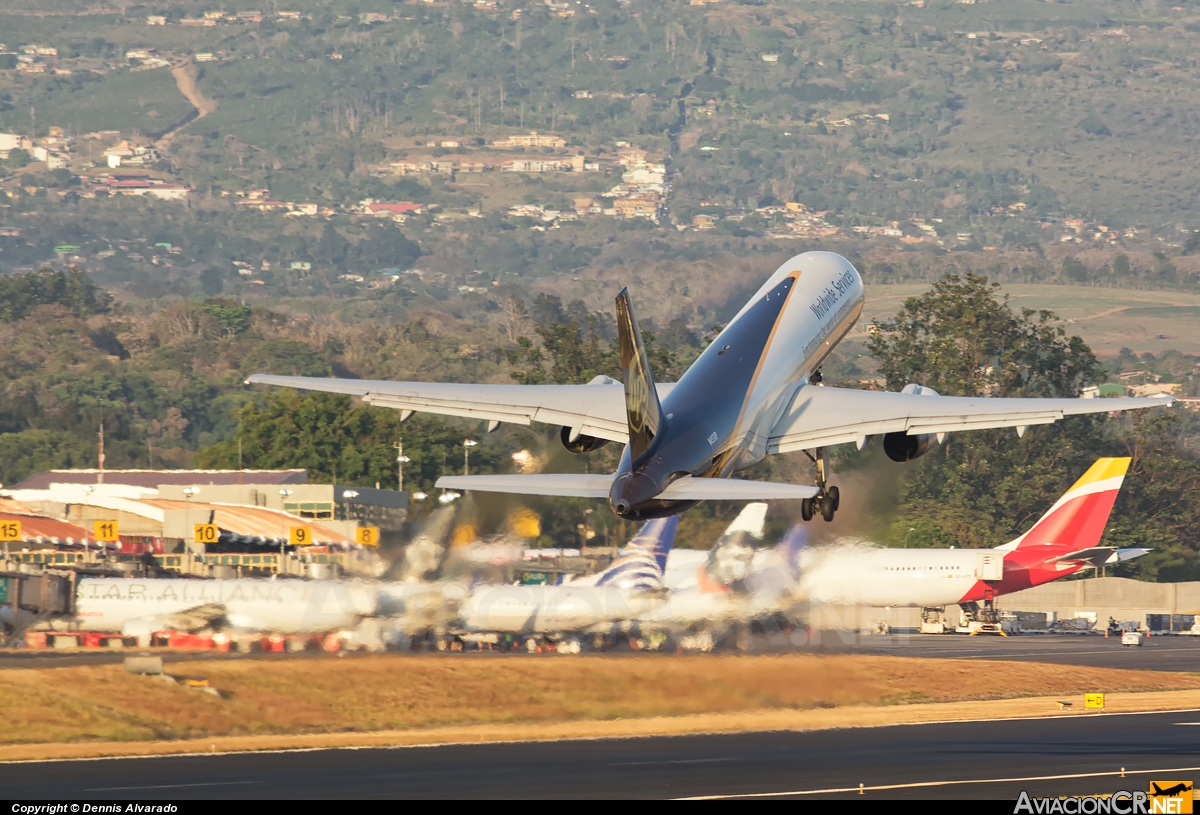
pixel 300 536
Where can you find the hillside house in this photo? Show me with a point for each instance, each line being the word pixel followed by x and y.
pixel 631 157
pixel 533 165
pixel 636 208
pixel 534 139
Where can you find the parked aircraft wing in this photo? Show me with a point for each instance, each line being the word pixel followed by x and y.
pixel 821 417
pixel 595 409
pixel 597 486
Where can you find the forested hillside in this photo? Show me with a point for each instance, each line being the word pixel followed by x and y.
pixel 168 388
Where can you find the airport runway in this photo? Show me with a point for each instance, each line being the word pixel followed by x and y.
pixel 951 760
pixel 1168 653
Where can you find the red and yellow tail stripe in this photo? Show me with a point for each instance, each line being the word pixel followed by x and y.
pixel 1078 518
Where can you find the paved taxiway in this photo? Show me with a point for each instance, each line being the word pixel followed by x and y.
pixel 1167 653
pixel 918 757
pixel 1164 653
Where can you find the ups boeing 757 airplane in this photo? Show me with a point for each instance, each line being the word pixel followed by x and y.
pixel 753 392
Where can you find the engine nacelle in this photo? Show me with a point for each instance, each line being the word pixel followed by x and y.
pixel 582 443
pixel 903 447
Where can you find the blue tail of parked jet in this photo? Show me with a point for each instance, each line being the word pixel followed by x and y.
pixel 780 570
pixel 789 548
pixel 644 560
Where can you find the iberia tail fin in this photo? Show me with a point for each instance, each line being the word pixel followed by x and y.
pixel 1078 518
pixel 641 396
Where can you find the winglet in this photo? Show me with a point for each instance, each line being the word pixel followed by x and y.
pixel 641 397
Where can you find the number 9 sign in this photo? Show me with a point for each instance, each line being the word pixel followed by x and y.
pixel 300 536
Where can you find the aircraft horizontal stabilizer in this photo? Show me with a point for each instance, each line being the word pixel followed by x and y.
pixel 1102 555
pixel 597 486
pixel 566 484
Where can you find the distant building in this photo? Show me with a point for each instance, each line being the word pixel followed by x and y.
pixel 636 208
pixel 249 506
pixel 151 187
pixel 534 139
pixel 385 210
pixel 533 165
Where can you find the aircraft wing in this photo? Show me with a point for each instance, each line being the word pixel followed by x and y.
pixel 821 417
pixel 595 409
pixel 597 486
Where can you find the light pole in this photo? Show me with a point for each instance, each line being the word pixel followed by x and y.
pixel 467 445
pixel 401 460
pixel 188 494
pixel 283 494
pixel 87 490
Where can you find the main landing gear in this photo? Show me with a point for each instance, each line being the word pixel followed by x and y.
pixel 825 503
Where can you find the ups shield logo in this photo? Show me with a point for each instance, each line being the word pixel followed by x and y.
pixel 637 394
pixel 1170 797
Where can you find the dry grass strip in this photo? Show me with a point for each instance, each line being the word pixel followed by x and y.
pixel 396 700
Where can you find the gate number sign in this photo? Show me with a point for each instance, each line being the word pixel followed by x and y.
pixel 206 533
pixel 106 531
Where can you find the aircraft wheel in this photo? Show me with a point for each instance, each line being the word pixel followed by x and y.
pixel 828 508
pixel 806 509
pixel 834 495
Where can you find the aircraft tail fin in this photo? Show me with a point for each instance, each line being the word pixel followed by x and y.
pixel 731 557
pixel 641 396
pixel 790 546
pixel 1078 518
pixel 644 559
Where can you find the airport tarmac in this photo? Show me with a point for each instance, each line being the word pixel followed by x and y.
pixel 1166 653
pixel 1077 754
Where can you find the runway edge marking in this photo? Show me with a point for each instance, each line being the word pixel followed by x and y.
pixel 958 783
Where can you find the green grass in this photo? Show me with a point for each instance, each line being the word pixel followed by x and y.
pixel 145 101
pixel 1107 319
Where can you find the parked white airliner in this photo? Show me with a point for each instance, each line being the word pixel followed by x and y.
pixel 753 392
pixel 1064 540
pixel 793 576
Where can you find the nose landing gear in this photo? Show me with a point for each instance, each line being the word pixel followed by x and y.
pixel 826 502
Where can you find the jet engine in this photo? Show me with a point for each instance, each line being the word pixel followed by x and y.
pixel 582 443
pixel 903 447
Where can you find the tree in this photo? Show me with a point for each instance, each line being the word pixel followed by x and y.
pixel 211 282
pixel 985 488
pixel 961 340
pixel 1075 270
pixel 333 439
pixel 332 247
pixel 21 294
